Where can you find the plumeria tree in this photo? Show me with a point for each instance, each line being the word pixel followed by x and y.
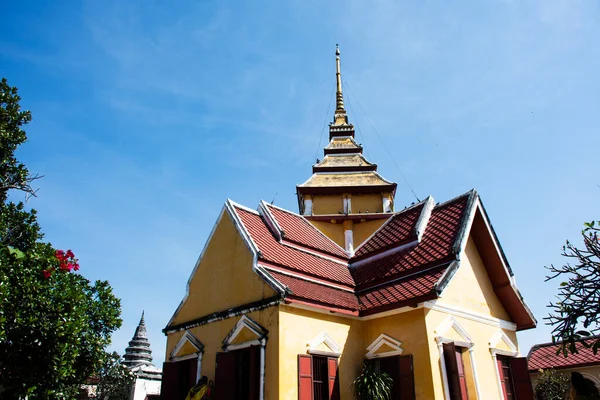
pixel 54 323
pixel 576 313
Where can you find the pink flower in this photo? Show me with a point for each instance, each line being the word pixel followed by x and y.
pixel 47 273
pixel 70 254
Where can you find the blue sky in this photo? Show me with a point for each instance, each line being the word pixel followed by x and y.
pixel 147 115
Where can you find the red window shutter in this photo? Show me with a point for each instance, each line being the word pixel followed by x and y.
pixel 190 367
pixel 334 383
pixel 169 387
pixel 452 371
pixel 225 376
pixel 406 377
pixel 305 377
pixel 521 378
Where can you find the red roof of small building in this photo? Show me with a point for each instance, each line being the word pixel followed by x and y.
pixel 397 266
pixel 544 356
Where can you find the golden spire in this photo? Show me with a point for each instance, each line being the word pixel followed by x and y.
pixel 339 117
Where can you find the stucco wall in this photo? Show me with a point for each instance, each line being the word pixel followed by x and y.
pixel 226 255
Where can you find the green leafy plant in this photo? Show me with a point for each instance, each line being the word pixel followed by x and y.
pixel 551 385
pixel 54 323
pixel 372 384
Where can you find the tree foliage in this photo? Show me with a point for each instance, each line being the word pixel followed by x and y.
pixel 551 385
pixel 115 380
pixel 54 323
pixel 372 384
pixel 576 314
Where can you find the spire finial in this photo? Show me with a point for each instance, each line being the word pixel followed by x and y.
pixel 339 103
pixel 142 322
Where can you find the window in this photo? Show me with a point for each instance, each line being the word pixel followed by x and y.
pixel 178 378
pixel 455 372
pixel 400 369
pixel 515 381
pixel 318 378
pixel 237 374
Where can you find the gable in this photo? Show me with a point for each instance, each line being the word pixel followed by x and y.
pixel 472 274
pixel 223 277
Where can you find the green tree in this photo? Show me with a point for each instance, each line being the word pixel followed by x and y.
pixel 551 385
pixel 372 384
pixel 576 314
pixel 54 323
pixel 115 380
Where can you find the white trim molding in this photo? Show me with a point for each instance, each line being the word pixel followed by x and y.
pixel 188 337
pixel 498 337
pixel 384 340
pixel 323 338
pixel 261 340
pixel 472 315
pixel 465 341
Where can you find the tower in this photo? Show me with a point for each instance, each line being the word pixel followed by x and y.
pixel 138 352
pixel 345 197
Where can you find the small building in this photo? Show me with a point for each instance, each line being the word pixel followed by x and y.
pixel 138 358
pixel 286 305
pixel 544 356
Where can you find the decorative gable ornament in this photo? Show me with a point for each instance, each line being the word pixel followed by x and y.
pixel 189 340
pixel 256 331
pixel 384 341
pixel 496 345
pixel 315 345
pixel 444 333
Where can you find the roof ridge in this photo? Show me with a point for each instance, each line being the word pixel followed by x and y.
pixel 445 203
pixel 387 222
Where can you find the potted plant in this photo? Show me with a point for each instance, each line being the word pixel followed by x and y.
pixel 372 384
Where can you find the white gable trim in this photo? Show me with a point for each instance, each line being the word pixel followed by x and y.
pixel 264 211
pixel 323 338
pixel 468 314
pixel 498 337
pixel 261 340
pixel 188 337
pixel 449 323
pixel 466 341
pixel 382 340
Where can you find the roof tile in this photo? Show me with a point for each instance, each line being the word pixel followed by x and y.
pixel 544 356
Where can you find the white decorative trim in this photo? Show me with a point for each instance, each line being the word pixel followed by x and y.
pixel 445 326
pixel 188 337
pixel 473 316
pixel 445 383
pixel 474 369
pixel 348 239
pixel 298 276
pixel 323 311
pixel 421 224
pixel 261 340
pixel 500 389
pixel 270 220
pixel 323 338
pixel 382 340
pixel 498 337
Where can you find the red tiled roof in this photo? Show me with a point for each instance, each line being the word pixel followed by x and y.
pixel 294 259
pixel 543 356
pixel 318 293
pixel 435 247
pixel 392 280
pixel 398 229
pixel 299 230
pixel 403 291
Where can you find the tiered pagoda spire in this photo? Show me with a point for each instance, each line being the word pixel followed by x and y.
pixel 138 353
pixel 344 170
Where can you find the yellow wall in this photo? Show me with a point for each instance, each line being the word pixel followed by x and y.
pixel 298 327
pixel 408 328
pixel 327 204
pixel 335 232
pixel 225 256
pixel 212 335
pixel 362 230
pixel 363 202
pixel 472 274
pixel 481 299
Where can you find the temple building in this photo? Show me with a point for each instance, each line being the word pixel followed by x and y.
pixel 290 305
pixel 138 358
